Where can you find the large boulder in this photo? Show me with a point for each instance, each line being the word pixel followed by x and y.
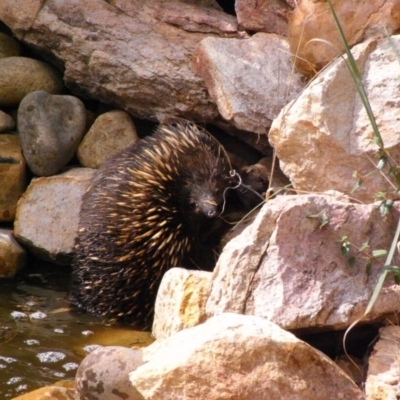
pixel 133 54
pixel 249 80
pixel 324 139
pixel 239 357
pixel 289 267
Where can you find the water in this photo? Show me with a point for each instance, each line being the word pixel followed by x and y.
pixel 42 340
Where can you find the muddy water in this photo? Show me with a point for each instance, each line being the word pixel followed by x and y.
pixel 42 340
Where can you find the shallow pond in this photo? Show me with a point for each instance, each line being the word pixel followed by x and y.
pixel 42 340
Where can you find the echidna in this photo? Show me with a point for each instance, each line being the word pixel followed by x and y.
pixel 142 215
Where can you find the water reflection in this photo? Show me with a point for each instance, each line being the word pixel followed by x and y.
pixel 41 339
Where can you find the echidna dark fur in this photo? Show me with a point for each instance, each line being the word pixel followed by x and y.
pixel 142 215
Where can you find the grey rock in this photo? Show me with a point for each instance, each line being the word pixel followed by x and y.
pixel 21 75
pixel 104 374
pixel 51 128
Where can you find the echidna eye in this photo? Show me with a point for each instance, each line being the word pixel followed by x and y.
pixel 192 205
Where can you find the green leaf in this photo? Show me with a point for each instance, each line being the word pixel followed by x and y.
pixel 351 261
pixel 345 246
pixel 382 162
pixel 357 186
pixel 379 253
pixel 324 220
pixel 380 195
pixel 393 269
pixel 368 266
pixel 364 246
pixel 385 207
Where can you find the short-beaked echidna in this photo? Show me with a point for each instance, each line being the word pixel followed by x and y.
pixel 142 215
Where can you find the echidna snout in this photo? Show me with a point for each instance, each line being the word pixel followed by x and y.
pixel 206 203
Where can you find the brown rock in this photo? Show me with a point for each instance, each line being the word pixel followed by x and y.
pixel 110 133
pixel 21 75
pixel 121 53
pixel 47 214
pixel 12 175
pixel 287 269
pixel 269 16
pixel 12 255
pixel 324 137
pixel 249 80
pixel 6 122
pixel 239 357
pixel 313 35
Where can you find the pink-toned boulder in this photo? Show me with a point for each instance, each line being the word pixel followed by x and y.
pixel 249 80
pixel 324 139
pixel 288 268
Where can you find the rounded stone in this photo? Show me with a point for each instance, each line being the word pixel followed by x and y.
pixel 110 133
pixel 51 128
pixel 21 75
pixel 7 124
pixel 104 374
